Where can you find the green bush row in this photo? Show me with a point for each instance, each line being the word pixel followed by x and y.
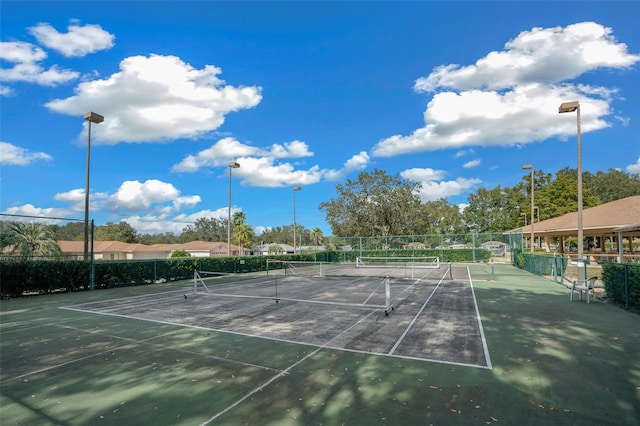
pixel 24 277
pixel 622 283
pixel 540 264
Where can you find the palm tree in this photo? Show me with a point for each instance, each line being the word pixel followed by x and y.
pixel 32 239
pixel 316 236
pixel 243 234
pixel 275 249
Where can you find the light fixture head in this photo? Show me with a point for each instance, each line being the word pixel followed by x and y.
pixel 527 166
pixel 234 165
pixel 569 106
pixel 93 117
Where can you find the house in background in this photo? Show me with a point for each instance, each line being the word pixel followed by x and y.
pixel 117 250
pixel 268 248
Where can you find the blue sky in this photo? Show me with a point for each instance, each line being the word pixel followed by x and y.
pixel 455 95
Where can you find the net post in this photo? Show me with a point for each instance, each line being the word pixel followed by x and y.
pixel 387 292
pixel 195 281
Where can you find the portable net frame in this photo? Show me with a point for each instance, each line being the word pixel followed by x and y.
pixel 381 286
pixel 426 262
pixel 428 267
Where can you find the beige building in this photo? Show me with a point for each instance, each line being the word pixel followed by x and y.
pixel 116 250
pixel 611 223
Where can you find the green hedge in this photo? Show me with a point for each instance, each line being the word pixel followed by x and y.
pixel 445 255
pixel 540 264
pixel 25 277
pixel 622 283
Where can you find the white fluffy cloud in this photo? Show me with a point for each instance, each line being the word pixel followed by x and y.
pixel 164 222
pixel 229 149
pixel 37 212
pixel 11 155
pixel 157 99
pixel 80 40
pixel 141 196
pixel 433 185
pixel 26 58
pixel 512 97
pixel 265 167
pixel 75 197
pixel 471 164
pixel 634 168
pixel 544 55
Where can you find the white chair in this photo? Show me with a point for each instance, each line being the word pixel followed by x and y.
pixel 586 287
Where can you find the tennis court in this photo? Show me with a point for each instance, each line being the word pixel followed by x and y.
pixel 398 310
pixel 232 355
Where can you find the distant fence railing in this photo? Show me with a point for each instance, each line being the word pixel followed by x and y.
pixel 621 280
pixel 19 276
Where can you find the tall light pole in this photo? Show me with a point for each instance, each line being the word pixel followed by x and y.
pixel 570 107
pixel 524 242
pixel 232 165
pixel 92 117
pixel 527 167
pixel 295 188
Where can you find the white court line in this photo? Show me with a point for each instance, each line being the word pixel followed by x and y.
pixel 406 330
pixel 48 324
pixel 373 292
pixel 275 339
pixel 171 348
pixel 84 357
pixel 285 371
pixel 484 340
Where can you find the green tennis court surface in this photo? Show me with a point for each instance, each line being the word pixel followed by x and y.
pixel 480 352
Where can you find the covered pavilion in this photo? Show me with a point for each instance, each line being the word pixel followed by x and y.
pixel 614 221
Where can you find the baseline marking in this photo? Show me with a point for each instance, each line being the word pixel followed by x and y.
pixel 415 318
pixel 484 340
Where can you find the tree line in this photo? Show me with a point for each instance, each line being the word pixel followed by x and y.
pixel 376 204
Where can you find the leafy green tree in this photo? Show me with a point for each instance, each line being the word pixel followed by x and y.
pixel 205 229
pixel 30 240
pixel 180 253
pixel 560 196
pixel 275 249
pixel 612 185
pixel 373 204
pixel 162 238
pixel 115 232
pixel 284 235
pixel 441 217
pixel 71 231
pixel 488 210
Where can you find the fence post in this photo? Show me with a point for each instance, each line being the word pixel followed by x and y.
pixel 626 285
pixel 92 273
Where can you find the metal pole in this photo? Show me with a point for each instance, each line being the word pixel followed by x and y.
pixel 295 188
pixel 86 197
pixel 92 273
pixel 229 217
pixel 532 216
pixel 580 229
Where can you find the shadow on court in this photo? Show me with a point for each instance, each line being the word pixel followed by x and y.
pixel 553 362
pixel 424 319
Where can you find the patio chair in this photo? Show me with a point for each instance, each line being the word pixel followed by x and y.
pixel 587 288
